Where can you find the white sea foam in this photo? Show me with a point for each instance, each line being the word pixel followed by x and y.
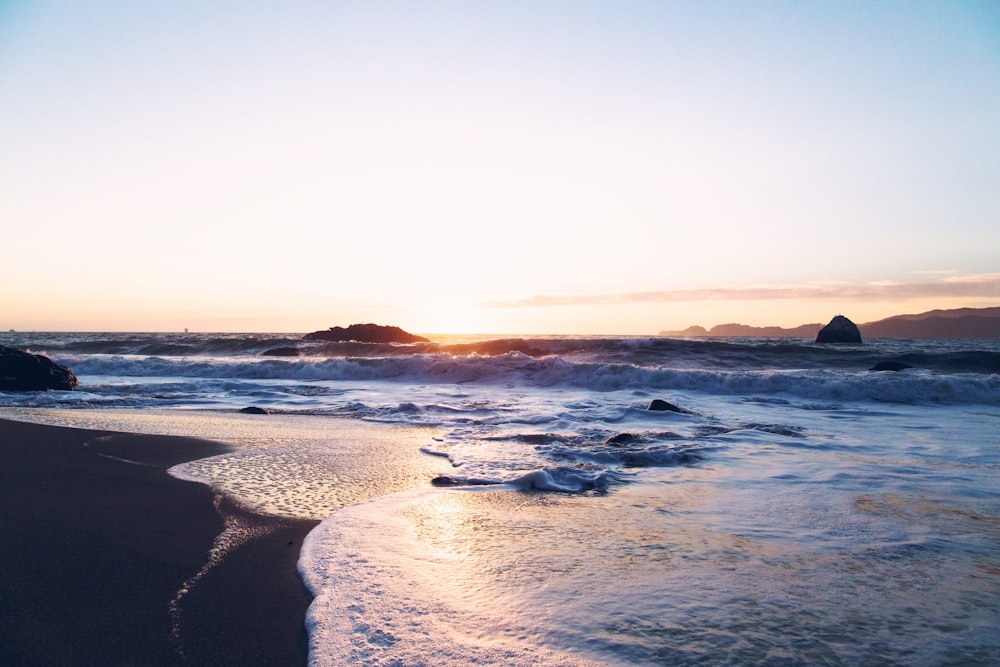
pixel 401 587
pixel 651 575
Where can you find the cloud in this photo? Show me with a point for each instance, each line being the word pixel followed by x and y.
pixel 980 285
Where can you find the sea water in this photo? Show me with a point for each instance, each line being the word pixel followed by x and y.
pixel 514 501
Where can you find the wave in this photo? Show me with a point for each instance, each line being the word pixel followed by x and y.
pixel 652 352
pixel 972 361
pixel 180 345
pixel 911 386
pixel 943 372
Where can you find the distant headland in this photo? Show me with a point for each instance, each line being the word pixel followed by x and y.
pixel 956 323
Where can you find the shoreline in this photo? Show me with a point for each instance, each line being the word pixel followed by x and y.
pixel 101 542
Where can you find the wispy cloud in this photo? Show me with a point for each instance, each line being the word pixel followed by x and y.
pixel 980 285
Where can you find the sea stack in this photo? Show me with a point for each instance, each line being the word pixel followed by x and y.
pixel 839 330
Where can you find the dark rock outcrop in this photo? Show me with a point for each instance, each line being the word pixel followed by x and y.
pixel 659 405
pixel 254 410
pixel 281 352
pixel 445 480
pixel 23 371
pixel 890 366
pixel 366 333
pixel 839 330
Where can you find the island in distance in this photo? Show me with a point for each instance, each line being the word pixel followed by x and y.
pixel 366 333
pixel 956 323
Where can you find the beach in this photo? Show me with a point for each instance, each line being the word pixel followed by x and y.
pixel 100 541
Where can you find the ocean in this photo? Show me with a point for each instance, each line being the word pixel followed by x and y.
pixel 514 500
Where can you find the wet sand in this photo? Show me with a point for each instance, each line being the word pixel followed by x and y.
pixel 99 540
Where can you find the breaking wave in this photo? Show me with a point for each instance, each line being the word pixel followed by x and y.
pixel 911 386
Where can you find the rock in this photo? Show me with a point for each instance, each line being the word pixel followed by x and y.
pixel 23 371
pixel 254 410
pixel 839 330
pixel 281 352
pixel 445 480
pixel 366 333
pixel 620 439
pixel 660 405
pixel 890 366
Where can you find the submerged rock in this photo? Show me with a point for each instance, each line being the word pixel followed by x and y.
pixel 620 439
pixel 366 333
pixel 890 366
pixel 839 330
pixel 23 371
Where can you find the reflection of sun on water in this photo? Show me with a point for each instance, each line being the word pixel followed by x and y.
pixel 443 522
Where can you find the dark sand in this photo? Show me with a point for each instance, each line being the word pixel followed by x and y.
pixel 97 540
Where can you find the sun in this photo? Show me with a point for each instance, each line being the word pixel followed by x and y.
pixel 444 317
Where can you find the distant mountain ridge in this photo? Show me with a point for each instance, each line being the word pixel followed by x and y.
pixel 955 323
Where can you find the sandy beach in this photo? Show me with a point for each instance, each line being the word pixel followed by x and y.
pixel 100 542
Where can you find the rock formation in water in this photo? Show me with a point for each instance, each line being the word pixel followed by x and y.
pixel 366 333
pixel 890 366
pixel 23 371
pixel 839 330
pixel 281 352
pixel 659 405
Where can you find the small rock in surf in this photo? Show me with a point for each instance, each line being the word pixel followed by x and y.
pixel 890 366
pixel 281 352
pixel 659 405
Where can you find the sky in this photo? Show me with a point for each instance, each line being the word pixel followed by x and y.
pixel 583 167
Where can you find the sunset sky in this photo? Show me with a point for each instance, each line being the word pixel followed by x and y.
pixel 505 167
